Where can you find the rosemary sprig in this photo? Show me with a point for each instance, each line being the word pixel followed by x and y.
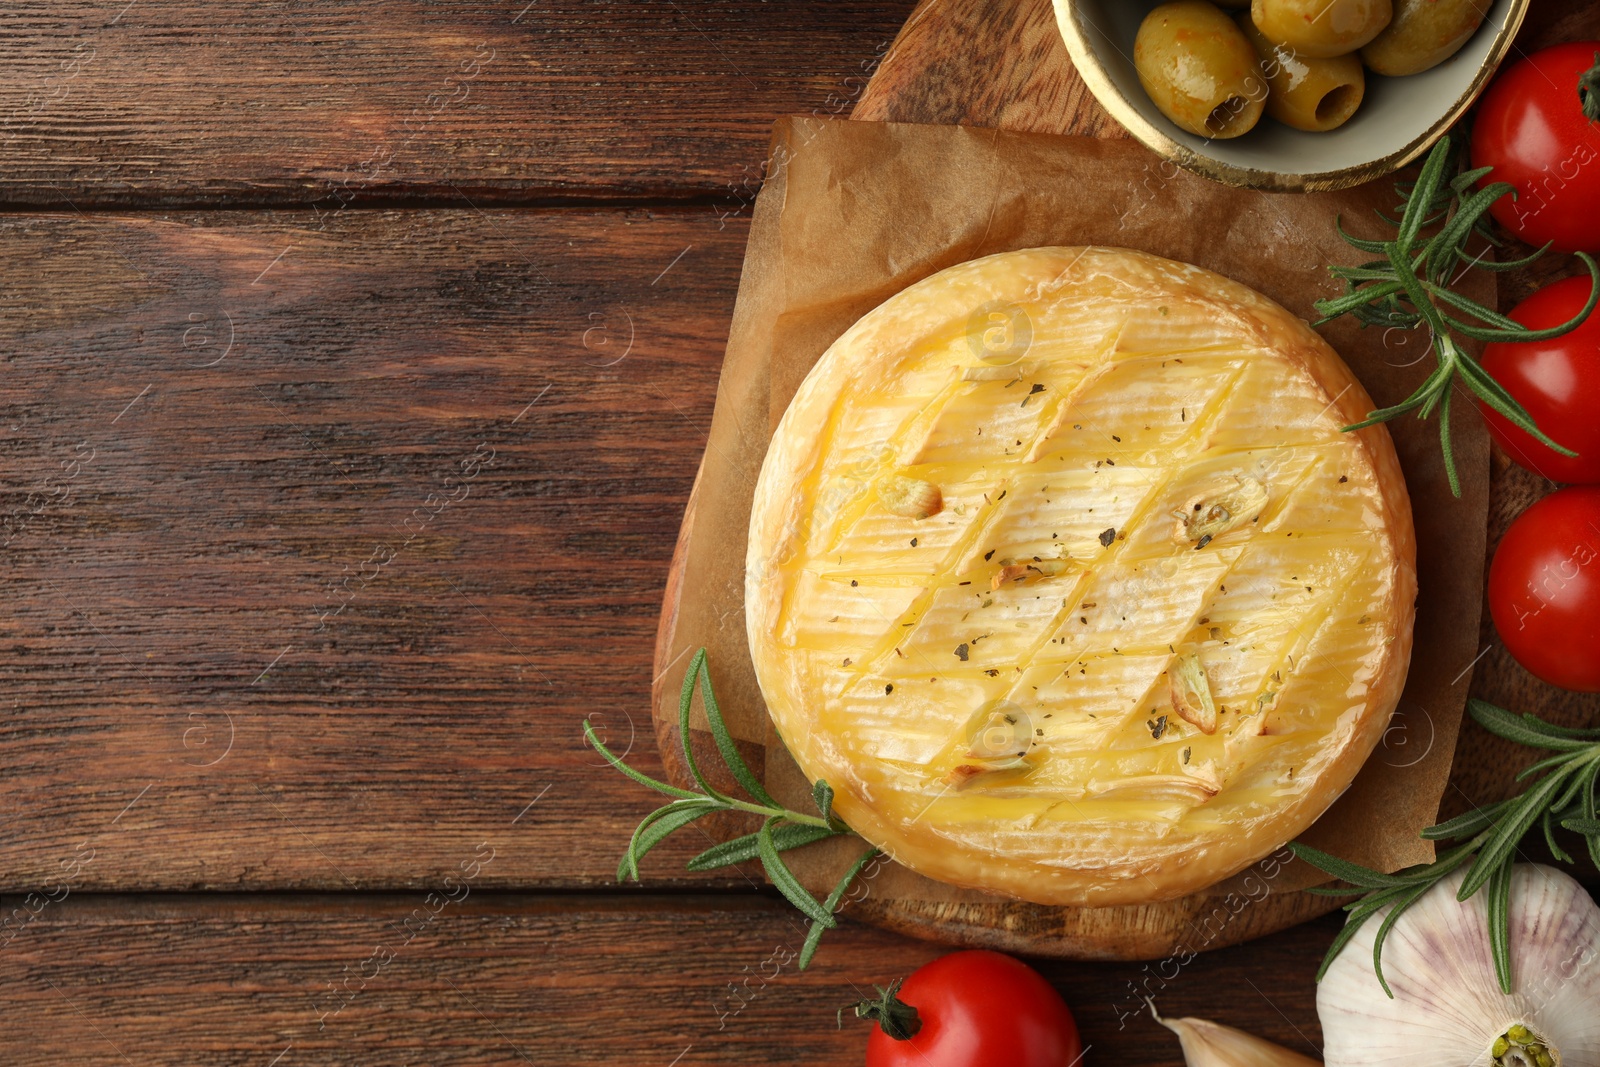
pixel 1411 286
pixel 781 829
pixel 1564 795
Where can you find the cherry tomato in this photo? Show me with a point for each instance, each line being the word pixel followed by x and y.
pixel 979 1009
pixel 1544 588
pixel 1532 129
pixel 1557 382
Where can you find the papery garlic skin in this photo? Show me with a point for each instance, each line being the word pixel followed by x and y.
pixel 1447 1008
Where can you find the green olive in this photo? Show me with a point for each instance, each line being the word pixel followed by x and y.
pixel 1424 34
pixel 1199 69
pixel 1321 28
pixel 1308 94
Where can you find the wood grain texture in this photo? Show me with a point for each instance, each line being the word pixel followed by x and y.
pixel 212 518
pixel 941 69
pixel 322 543
pixel 339 101
pixel 509 979
pixel 982 64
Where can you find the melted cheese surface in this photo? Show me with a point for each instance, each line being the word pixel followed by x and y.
pixel 1064 576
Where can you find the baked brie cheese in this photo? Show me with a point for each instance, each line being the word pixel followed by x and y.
pixel 1064 576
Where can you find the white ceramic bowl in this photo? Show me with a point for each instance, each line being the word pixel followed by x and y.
pixel 1397 121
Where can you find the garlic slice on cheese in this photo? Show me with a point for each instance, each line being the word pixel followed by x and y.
pixel 1063 575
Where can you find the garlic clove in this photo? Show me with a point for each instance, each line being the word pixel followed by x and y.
pixel 1447 1005
pixel 910 498
pixel 1209 1044
pixel 1191 693
pixel 1224 506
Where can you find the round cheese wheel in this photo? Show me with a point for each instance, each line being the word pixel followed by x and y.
pixel 1065 577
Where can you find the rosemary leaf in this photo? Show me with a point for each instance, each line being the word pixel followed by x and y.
pixel 1356 242
pixel 784 880
pixel 1591 809
pixel 1550 729
pixel 1424 198
pixel 1455 232
pixel 1445 447
pixel 1499 919
pixel 1401 904
pixel 1346 871
pixel 822 796
pixel 740 849
pixel 814 935
pixel 1424 392
pixel 1360 912
pixel 1495 395
pixel 1466 825
pixel 655 828
pixel 685 700
pixel 725 743
pixel 1548 821
pixel 1523 729
pixel 638 776
pixel 1577 319
pixel 1376 271
pixel 1545 764
pixel 1333 308
pixel 1467 179
pixel 1500 265
pixel 1508 832
pixel 1387 313
pixel 1470 306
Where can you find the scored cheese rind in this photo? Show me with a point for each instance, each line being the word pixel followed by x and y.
pixel 1182 698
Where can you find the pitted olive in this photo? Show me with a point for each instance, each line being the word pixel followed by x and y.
pixel 1199 69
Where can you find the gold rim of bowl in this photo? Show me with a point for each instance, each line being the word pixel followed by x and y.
pixel 1070 16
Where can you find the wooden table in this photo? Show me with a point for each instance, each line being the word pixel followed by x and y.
pixel 359 357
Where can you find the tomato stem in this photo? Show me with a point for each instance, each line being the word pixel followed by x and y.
pixel 1589 90
pixel 894 1016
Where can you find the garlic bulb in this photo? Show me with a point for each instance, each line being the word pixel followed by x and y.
pixel 1447 1008
pixel 1209 1044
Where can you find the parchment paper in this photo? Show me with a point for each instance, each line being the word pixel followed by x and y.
pixel 853 212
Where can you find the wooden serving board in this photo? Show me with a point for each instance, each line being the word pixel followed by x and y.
pixel 1003 65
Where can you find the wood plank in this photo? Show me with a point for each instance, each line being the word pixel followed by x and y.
pixel 173 102
pixel 321 544
pixel 511 979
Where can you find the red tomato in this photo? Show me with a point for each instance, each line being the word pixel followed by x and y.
pixel 1556 381
pixel 980 1009
pixel 1544 588
pixel 1531 128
